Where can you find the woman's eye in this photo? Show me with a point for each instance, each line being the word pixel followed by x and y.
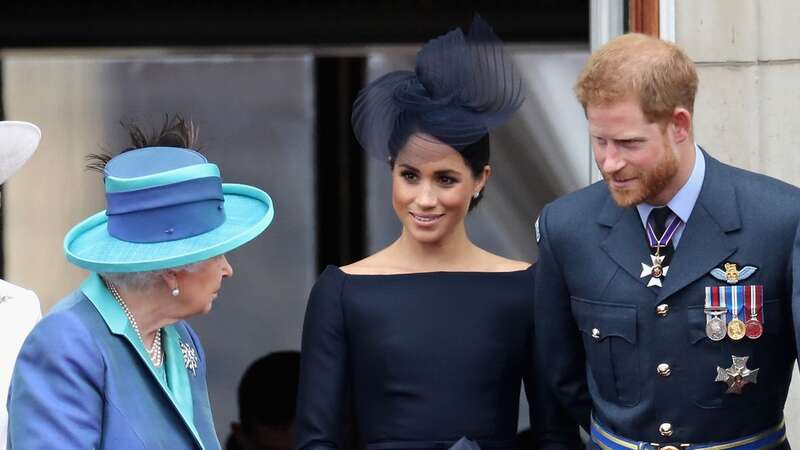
pixel 409 176
pixel 447 180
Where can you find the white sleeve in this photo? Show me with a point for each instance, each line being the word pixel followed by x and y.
pixel 19 312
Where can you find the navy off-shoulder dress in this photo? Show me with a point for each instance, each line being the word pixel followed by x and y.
pixel 428 358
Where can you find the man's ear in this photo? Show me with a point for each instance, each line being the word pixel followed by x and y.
pixel 681 125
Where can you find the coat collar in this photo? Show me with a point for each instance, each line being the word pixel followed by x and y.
pixel 174 379
pixel 718 196
pixel 704 242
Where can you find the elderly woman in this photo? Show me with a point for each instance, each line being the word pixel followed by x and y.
pixel 114 365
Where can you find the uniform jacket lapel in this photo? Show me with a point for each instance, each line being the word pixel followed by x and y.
pixel 626 242
pixel 705 242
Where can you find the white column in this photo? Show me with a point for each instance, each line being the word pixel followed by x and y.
pixel 606 21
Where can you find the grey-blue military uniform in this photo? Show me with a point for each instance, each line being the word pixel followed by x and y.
pixel 639 358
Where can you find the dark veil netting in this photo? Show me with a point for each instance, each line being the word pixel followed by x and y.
pixel 462 87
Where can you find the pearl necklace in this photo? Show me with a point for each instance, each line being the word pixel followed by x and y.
pixel 155 353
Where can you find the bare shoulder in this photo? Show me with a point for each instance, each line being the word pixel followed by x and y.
pixel 497 263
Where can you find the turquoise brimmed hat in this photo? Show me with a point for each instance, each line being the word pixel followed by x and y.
pixel 166 207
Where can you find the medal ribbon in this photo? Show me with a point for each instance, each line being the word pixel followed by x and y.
pixel 736 295
pixel 669 232
pixel 715 300
pixel 712 299
pixel 759 291
pixel 715 297
pixel 715 310
pixel 754 302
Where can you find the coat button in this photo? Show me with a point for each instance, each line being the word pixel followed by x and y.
pixel 664 370
pixel 595 333
pixel 665 429
pixel 662 310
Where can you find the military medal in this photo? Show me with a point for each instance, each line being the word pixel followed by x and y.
pixel 754 310
pixel 736 328
pixel 745 303
pixel 753 329
pixel 737 375
pixel 657 270
pixel 716 311
pixel 715 328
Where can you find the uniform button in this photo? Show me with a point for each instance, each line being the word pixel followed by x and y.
pixel 662 310
pixel 664 370
pixel 595 333
pixel 665 429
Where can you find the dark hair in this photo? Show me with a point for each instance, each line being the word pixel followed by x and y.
pixel 175 132
pixel 268 391
pixel 475 155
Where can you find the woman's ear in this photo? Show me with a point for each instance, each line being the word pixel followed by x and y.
pixel 170 278
pixel 484 178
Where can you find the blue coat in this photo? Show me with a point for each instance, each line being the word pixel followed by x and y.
pixel 83 381
pixel 602 333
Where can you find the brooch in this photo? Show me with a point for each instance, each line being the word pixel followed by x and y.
pixel 189 357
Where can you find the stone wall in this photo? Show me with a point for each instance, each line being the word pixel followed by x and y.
pixel 748 108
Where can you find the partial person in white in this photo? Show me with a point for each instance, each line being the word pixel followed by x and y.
pixel 19 307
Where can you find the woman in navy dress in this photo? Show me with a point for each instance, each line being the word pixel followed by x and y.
pixel 431 337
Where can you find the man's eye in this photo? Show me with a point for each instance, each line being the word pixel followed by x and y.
pixel 630 144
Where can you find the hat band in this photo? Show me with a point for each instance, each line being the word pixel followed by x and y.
pixel 166 213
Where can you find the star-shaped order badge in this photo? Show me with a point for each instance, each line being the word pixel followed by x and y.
pixel 656 271
pixel 737 375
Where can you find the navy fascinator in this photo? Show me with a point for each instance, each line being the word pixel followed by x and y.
pixel 462 87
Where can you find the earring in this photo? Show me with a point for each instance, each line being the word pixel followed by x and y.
pixel 176 292
pixel 476 195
